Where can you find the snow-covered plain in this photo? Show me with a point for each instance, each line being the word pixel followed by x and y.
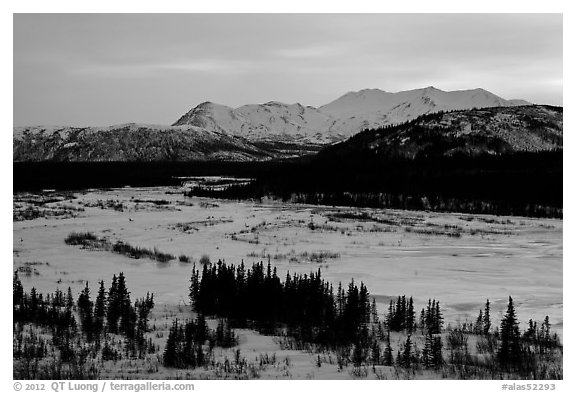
pixel 458 259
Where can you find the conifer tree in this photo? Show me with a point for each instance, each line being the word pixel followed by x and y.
pixel 439 319
pixel 390 316
pixel 510 350
pixel 388 357
pixel 100 308
pixel 427 350
pixel 479 325
pixel 374 311
pixel 410 316
pixel 364 304
pixel 17 290
pixel 530 334
pixel 69 300
pixel 194 284
pixel 546 329
pixel 422 321
pixel 406 354
pixel 487 321
pixel 170 357
pixel 340 299
pixel 112 309
pixel 85 312
pixel 376 352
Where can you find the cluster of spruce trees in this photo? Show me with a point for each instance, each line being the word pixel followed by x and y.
pixel 112 312
pixel 402 317
pixel 306 304
pixel 186 342
pixel 51 310
pixel 541 336
pixel 517 350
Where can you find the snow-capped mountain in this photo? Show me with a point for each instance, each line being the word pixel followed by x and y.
pixel 271 121
pixel 251 132
pixel 342 118
pixel 131 142
pixel 488 131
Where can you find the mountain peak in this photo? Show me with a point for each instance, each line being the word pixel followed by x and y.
pixel 275 103
pixel 341 118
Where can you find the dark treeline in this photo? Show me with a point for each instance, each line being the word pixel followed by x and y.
pixel 35 176
pixel 307 305
pixel 525 184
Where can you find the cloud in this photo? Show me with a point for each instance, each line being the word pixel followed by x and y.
pixel 142 69
pixel 64 63
pixel 311 52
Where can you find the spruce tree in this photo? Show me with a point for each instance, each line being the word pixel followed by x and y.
pixel 374 311
pixel 487 322
pixel 69 300
pixel 390 316
pixel 376 352
pixel 406 355
pixel 436 348
pixel 427 351
pixel 388 357
pixel 479 325
pixel 112 309
pixel 340 299
pixel 546 329
pixel 123 297
pixel 410 316
pixel 170 357
pixel 85 312
pixel 194 284
pixel 530 334
pixel 510 350
pixel 17 290
pixel 422 321
pixel 364 304
pixel 439 319
pixel 100 308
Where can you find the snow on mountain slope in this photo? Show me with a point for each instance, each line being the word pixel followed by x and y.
pixel 257 122
pixel 473 132
pixel 344 117
pixel 131 142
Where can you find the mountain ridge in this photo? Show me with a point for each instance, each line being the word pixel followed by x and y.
pixel 474 132
pixel 130 142
pixel 337 120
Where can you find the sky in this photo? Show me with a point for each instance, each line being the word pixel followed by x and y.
pixel 104 69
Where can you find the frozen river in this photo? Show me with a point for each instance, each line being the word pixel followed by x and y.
pixel 458 259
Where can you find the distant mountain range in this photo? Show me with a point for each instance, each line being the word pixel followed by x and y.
pixel 274 130
pixel 340 119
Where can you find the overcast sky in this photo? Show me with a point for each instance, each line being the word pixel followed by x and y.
pixel 86 69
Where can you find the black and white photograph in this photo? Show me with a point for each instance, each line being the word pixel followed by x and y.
pixel 287 196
